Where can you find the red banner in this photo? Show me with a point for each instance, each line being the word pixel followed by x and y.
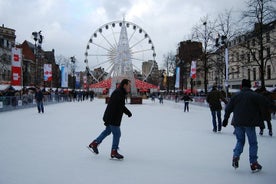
pixel 193 70
pixel 47 72
pixel 16 67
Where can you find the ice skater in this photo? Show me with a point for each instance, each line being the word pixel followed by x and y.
pixel 39 97
pixel 112 119
pixel 186 99
pixel 247 114
pixel 214 99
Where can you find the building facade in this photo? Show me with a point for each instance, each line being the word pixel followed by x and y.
pixel 187 52
pixel 244 58
pixel 7 41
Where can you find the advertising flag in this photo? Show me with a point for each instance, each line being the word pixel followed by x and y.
pixel 77 80
pixel 64 77
pixel 177 77
pixel 193 70
pixel 165 80
pixel 47 72
pixel 16 66
pixel 84 82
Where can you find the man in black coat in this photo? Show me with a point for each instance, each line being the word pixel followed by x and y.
pixel 186 99
pixel 214 99
pixel 247 107
pixel 112 119
pixel 39 97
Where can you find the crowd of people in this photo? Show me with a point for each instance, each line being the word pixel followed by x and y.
pixel 12 98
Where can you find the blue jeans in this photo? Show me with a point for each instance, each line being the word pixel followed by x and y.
pixel 115 130
pixel 186 106
pixel 215 115
pixel 40 106
pixel 252 140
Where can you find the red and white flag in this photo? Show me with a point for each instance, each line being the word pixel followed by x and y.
pixel 84 78
pixel 193 70
pixel 47 72
pixel 16 66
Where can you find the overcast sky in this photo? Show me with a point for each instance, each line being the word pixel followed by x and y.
pixel 67 25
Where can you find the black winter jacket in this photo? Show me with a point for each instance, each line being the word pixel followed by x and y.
pixel 115 108
pixel 247 107
pixel 214 99
pixel 39 96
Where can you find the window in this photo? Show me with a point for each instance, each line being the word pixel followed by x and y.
pixel 253 42
pixel 253 55
pixel 248 74
pixel 248 57
pixel 268 52
pixel 254 74
pixel 242 56
pixel 268 72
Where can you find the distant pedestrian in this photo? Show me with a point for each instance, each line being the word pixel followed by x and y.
pixel 39 97
pixel 161 97
pixel 266 112
pixel 153 97
pixel 91 95
pixel 176 98
pixel 214 99
pixel 186 99
pixel 247 107
pixel 112 119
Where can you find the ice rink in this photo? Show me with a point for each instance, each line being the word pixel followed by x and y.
pixel 161 144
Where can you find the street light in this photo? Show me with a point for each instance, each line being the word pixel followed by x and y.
pixel 73 60
pixel 205 58
pixel 222 40
pixel 37 36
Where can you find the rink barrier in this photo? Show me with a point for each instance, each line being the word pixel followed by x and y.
pixel 8 103
pixel 201 101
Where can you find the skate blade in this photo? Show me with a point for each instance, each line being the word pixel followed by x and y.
pixel 90 149
pixel 117 159
pixel 257 170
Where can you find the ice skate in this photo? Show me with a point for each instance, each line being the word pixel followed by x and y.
pixel 235 162
pixel 261 132
pixel 270 132
pixel 255 167
pixel 93 146
pixel 115 154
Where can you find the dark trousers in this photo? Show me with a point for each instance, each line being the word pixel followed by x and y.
pixel 40 106
pixel 186 106
pixel 216 115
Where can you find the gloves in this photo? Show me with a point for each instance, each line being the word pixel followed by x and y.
pixel 224 122
pixel 129 114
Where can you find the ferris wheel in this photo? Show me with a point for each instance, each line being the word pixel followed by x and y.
pixel 102 49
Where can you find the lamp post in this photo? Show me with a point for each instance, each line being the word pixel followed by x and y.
pixel 37 36
pixel 205 58
pixel 222 41
pixel 73 61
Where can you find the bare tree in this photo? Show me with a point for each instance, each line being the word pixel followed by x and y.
pixel 226 30
pixel 204 33
pixel 259 14
pixel 62 60
pixel 169 64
